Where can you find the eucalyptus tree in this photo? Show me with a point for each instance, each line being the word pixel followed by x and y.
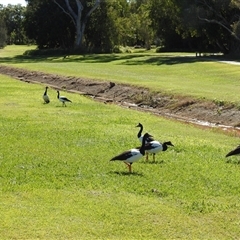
pixel 201 24
pixel 3 33
pixel 79 12
pixel 103 37
pixel 214 22
pixel 140 23
pixel 121 24
pixel 48 26
pixel 51 26
pixel 165 20
pixel 197 35
pixel 224 15
pixel 13 16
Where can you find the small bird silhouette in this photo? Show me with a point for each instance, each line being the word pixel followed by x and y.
pixel 62 99
pixel 45 96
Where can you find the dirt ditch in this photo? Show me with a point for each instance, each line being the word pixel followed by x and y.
pixel 183 108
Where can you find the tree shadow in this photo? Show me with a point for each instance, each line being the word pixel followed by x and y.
pixel 121 59
pixel 235 161
pixel 171 60
pixel 25 59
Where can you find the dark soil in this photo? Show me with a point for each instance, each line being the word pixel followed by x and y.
pixel 179 107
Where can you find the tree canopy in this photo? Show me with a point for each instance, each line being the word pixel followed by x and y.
pixel 102 25
pixel 13 16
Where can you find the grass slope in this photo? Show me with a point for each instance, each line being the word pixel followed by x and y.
pixel 177 73
pixel 57 181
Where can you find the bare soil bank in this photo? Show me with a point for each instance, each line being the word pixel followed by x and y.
pixel 183 108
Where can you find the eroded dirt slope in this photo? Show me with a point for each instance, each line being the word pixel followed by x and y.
pixel 180 107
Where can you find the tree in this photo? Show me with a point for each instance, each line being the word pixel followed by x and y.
pixel 47 25
pixel 197 34
pixel 102 37
pixel 202 25
pixel 13 16
pixel 224 15
pixel 218 12
pixel 144 31
pixel 3 33
pixel 165 20
pixel 79 12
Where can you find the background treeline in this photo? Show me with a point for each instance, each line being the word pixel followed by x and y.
pixel 171 25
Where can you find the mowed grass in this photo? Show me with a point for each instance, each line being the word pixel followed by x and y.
pixel 173 73
pixel 57 181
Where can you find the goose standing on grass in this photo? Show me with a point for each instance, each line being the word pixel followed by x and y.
pixel 155 147
pixel 132 155
pixel 45 96
pixel 62 99
pixel 140 136
pixel 235 151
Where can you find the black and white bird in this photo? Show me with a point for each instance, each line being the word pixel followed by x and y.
pixel 140 136
pixel 235 151
pixel 62 99
pixel 132 155
pixel 45 96
pixel 155 147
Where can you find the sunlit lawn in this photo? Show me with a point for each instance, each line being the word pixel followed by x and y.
pixel 174 73
pixel 57 181
pixel 56 178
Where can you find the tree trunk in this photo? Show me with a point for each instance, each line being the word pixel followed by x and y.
pixel 78 40
pixel 234 48
pixel 78 20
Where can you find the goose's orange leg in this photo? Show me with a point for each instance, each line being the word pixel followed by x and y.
pixel 129 166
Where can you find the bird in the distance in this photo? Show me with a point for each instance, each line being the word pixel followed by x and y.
pixel 62 99
pixel 45 96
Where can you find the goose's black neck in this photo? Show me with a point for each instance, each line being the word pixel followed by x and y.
pixel 140 131
pixel 45 93
pixel 142 148
pixel 57 94
pixel 164 145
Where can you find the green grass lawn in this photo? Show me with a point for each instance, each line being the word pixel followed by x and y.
pixel 57 181
pixel 175 73
pixel 56 178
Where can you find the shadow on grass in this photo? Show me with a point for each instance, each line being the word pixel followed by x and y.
pixel 124 59
pixel 153 162
pixel 122 173
pixel 235 160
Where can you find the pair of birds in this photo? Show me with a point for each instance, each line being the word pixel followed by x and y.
pixel 62 99
pixel 149 145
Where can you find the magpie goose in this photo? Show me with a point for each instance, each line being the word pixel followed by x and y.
pixel 132 155
pixel 155 147
pixel 140 136
pixel 45 96
pixel 62 99
pixel 235 151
